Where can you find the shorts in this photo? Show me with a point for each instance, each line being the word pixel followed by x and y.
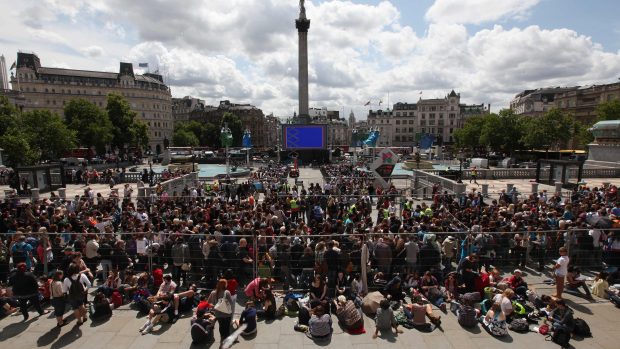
pixel 76 303
pixel 59 305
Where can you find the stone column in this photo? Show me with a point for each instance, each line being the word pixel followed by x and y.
pixel 460 188
pixel 34 194
pixel 534 187
pixel 485 190
pixel 558 187
pixel 303 24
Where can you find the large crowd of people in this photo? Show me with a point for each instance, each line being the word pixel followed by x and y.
pixel 339 247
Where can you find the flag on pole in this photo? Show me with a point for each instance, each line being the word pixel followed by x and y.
pixel 246 142
pixel 380 101
pixel 420 93
pixel 143 65
pixel 367 103
pixel 13 66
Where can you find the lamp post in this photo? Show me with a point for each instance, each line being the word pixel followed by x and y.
pixel 354 146
pixel 248 134
pixel 226 140
pixel 461 157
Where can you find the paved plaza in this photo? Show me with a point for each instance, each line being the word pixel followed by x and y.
pixel 121 330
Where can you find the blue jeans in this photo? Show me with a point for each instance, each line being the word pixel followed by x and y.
pixel 438 302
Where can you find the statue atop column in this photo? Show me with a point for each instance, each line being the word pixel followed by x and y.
pixel 302 9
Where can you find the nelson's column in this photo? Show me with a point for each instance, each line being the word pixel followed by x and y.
pixel 303 24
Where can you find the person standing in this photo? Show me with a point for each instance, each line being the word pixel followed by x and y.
pixel 26 290
pixel 561 269
pixel 474 175
pixel 76 284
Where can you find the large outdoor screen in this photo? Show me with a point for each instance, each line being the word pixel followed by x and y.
pixel 304 136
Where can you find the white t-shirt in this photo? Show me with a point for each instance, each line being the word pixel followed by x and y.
pixel 505 304
pixel 563 269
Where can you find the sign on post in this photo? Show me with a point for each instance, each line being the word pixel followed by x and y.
pixel 383 166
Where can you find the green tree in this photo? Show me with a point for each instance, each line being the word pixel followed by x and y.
pixel 608 110
pixel 91 124
pixel 16 149
pixel 235 126
pixel 552 129
pixel 47 134
pixel 210 136
pixel 9 115
pixel 184 138
pixel 127 129
pixel 469 135
pixel 139 134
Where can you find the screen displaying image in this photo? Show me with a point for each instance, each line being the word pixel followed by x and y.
pixel 304 136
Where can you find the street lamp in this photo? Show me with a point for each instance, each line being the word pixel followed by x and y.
pixel 247 136
pixel 461 156
pixel 226 142
pixel 354 146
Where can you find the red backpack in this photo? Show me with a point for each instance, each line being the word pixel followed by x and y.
pixel 116 299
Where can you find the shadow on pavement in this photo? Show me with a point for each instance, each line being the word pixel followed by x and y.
pixel 14 329
pixel 67 338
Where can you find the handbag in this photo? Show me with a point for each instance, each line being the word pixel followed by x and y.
pixel 223 306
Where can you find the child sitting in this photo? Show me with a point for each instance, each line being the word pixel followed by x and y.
pixel 385 319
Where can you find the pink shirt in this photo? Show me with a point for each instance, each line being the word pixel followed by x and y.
pixel 252 289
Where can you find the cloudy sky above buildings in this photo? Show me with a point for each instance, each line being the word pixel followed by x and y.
pixel 246 50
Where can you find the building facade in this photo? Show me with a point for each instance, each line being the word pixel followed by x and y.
pixel 182 108
pixel 4 74
pixel 52 88
pixel 252 118
pixel 536 102
pixel 404 125
pixel 582 101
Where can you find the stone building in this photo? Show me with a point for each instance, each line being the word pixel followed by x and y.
pixel 252 118
pixel 536 102
pixel 51 88
pixel 579 101
pixel 183 107
pixel 404 125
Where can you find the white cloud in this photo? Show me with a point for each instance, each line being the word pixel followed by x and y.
pixel 92 51
pixel 477 11
pixel 246 50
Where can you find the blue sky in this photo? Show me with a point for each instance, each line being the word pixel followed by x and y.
pixel 246 50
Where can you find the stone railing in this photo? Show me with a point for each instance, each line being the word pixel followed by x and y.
pixel 175 185
pixel 130 177
pixel 530 173
pixel 423 179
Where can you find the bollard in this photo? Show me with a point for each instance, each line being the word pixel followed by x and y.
pixel 485 190
pixel 534 188
pixel 62 193
pixel 509 187
pixel 558 188
pixel 460 188
pixel 34 194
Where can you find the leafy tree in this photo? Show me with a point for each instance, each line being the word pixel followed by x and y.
pixel 235 126
pixel 9 115
pixel 17 150
pixel 139 134
pixel 469 135
pixel 552 129
pixel 127 129
pixel 91 124
pixel 210 136
pixel 608 110
pixel 184 138
pixel 47 134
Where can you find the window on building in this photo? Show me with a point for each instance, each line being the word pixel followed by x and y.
pixel 431 115
pixel 53 90
pixel 397 122
pixel 452 108
pixel 423 116
pixel 441 115
pixel 410 122
pixel 397 138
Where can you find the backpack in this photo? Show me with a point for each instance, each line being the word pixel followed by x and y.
pixel 19 254
pixel 561 337
pixel 581 328
pixel 76 291
pixel 116 299
pixel 519 325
